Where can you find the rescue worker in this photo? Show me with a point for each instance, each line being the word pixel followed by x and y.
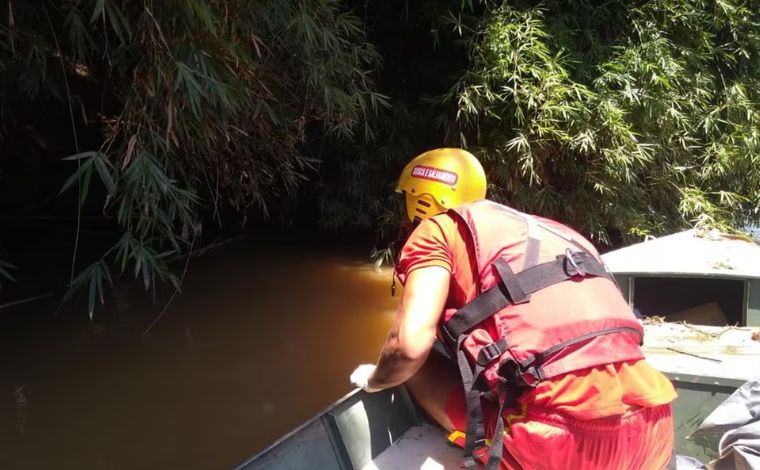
pixel 547 372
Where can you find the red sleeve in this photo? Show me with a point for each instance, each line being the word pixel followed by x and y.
pixel 426 246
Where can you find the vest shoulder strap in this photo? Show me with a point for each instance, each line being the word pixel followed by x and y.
pixel 517 288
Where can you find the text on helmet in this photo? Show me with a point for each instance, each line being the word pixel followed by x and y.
pixel 434 174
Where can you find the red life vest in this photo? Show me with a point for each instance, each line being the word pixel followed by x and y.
pixel 547 306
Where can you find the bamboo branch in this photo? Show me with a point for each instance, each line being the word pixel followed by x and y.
pixel 16 303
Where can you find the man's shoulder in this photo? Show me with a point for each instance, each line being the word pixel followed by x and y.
pixel 485 205
pixel 443 218
pixel 437 225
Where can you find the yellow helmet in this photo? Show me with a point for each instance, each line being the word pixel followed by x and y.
pixel 441 179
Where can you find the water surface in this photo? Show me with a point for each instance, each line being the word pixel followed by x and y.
pixel 262 338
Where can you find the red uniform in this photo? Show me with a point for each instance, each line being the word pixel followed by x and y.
pixel 615 414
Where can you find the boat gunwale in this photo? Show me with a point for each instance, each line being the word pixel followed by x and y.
pixel 733 276
pixel 317 417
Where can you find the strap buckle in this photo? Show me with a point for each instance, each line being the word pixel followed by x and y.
pixel 570 259
pixel 491 351
pixel 537 373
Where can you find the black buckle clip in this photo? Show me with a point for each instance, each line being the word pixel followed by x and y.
pixel 577 270
pixel 480 443
pixel 489 353
pixel 537 375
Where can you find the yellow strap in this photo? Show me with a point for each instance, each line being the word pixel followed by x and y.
pixel 459 434
pixel 511 417
pixel 456 435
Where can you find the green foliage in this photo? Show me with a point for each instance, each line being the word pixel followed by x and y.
pixel 632 118
pixel 213 103
pixel 356 181
pixel 91 279
pixel 623 118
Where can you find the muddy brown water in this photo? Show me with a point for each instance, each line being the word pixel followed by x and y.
pixel 260 340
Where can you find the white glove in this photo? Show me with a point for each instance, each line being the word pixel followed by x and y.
pixel 360 377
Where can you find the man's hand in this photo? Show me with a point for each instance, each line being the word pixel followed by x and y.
pixel 360 377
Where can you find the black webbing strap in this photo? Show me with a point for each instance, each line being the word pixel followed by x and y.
pixel 511 283
pixel 512 390
pixel 562 268
pixel 497 442
pixel 537 359
pixel 474 312
pixel 491 351
pixel 531 280
pixel 475 436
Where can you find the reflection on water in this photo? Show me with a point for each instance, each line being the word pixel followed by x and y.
pixel 255 345
pixel 21 404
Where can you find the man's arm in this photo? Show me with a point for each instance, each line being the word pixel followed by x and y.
pixel 413 332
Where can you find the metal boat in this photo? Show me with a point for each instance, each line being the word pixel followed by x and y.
pixel 699 299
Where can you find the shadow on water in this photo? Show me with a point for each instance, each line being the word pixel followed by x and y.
pixel 263 337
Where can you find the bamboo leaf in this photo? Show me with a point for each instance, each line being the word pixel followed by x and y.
pixel 81 156
pixel 87 178
pixel 5 268
pixel 118 21
pixel 203 12
pixel 146 275
pixel 105 175
pixel 92 293
pixel 76 176
pixel 97 11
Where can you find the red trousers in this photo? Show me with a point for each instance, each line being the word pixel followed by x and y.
pixel 541 439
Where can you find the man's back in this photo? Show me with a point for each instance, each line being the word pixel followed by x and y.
pixel 607 390
pixel 535 318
